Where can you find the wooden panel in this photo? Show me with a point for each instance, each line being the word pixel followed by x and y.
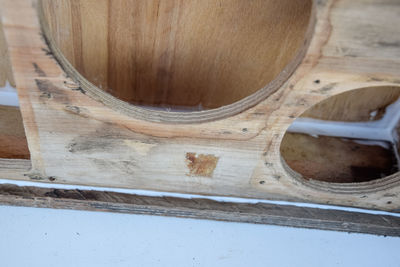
pixel 77 140
pixel 179 53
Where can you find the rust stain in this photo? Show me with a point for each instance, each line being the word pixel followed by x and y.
pixel 201 165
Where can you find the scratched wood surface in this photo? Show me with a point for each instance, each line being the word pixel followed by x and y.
pixel 76 139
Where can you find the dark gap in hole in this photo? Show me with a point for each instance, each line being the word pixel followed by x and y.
pixel 338 160
pixel 13 143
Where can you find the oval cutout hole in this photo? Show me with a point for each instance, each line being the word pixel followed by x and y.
pixel 348 138
pixel 180 55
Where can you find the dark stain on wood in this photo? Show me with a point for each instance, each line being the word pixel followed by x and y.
pixel 325 89
pixel 80 89
pixel 39 177
pixel 34 176
pixel 47 52
pixel 91 144
pixel 127 166
pixel 38 70
pixel 50 91
pixel 81 111
pixel 43 88
pixel 389 44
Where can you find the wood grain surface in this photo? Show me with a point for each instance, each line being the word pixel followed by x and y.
pixel 188 54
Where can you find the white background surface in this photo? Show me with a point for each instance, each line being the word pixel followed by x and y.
pixel 8 96
pixel 46 237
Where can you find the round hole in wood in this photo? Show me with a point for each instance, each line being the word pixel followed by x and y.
pixel 351 137
pixel 212 58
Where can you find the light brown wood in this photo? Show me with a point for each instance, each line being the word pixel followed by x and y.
pixel 180 54
pixel 75 139
pixel 355 105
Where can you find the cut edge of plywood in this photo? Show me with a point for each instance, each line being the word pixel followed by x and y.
pixel 200 208
pixel 39 182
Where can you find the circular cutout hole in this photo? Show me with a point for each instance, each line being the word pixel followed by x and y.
pixel 180 55
pixel 348 138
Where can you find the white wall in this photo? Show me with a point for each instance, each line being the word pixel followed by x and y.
pixel 8 96
pixel 44 237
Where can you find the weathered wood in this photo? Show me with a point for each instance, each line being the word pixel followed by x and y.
pixel 97 145
pixel 260 213
pixel 76 139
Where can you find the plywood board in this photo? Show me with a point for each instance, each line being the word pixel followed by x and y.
pixel 76 138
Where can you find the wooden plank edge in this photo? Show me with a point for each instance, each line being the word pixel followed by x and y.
pixel 260 213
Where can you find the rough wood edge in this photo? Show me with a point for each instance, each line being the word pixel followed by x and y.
pixel 179 117
pixel 261 213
